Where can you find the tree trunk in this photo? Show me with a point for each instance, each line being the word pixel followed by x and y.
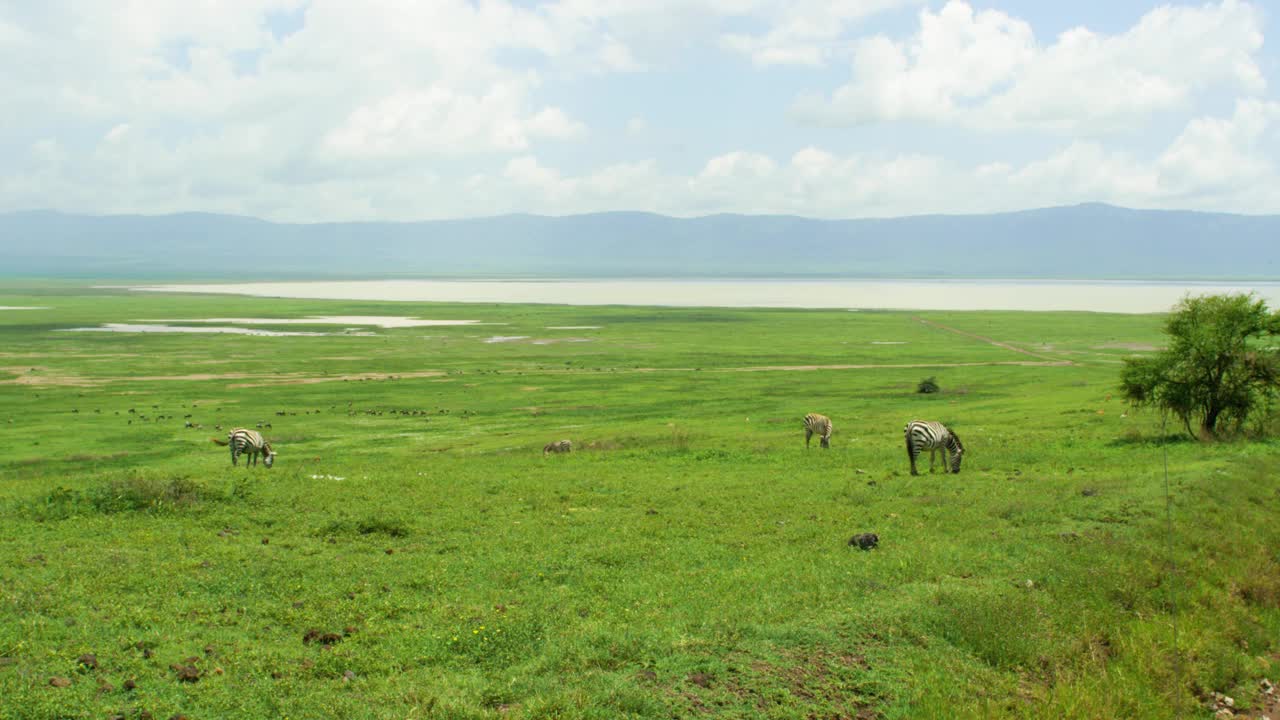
pixel 1210 424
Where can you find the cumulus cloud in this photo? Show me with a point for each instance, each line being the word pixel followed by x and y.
pixel 805 32
pixel 328 110
pixel 1215 163
pixel 985 70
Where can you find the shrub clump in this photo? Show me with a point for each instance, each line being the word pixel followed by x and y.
pixel 131 493
pixel 928 385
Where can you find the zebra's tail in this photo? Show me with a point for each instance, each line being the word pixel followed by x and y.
pixel 220 441
pixel 906 434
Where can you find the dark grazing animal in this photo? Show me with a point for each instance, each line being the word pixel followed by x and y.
pixel 559 446
pixel 864 541
pixel 251 443
pixel 820 425
pixel 933 436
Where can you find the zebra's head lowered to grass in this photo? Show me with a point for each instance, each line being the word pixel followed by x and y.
pixel 269 456
pixel 957 452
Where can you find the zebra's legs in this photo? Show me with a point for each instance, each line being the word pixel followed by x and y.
pixel 808 435
pixel 233 456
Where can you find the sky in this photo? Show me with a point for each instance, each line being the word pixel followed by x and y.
pixel 331 110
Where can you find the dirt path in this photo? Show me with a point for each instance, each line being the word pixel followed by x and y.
pixel 891 366
pixel 992 341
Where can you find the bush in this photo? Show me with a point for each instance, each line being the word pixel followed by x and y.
pixel 131 493
pixel 928 385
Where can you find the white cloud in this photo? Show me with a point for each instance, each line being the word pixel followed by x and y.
pixel 805 32
pixel 985 70
pixel 440 121
pixel 404 110
pixel 1213 164
pixel 1225 159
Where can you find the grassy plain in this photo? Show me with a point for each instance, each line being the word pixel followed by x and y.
pixel 413 554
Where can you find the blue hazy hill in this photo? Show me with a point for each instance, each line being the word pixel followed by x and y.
pixel 1085 241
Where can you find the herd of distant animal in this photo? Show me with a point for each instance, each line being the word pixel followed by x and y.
pixel 920 435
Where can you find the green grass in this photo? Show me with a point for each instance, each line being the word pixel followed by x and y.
pixel 413 554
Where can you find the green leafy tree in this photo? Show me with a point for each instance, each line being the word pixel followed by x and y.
pixel 1221 364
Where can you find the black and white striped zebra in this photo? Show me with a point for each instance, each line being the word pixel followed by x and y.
pixel 558 446
pixel 820 425
pixel 933 436
pixel 250 443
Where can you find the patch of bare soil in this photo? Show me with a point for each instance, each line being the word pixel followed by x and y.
pixel 1266 704
pixel 37 376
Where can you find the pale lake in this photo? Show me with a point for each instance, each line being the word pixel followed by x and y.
pixel 853 294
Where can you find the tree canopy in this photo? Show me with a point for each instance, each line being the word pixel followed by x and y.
pixel 1221 364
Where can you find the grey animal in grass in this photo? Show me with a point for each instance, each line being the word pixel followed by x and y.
pixel 248 442
pixel 865 541
pixel 820 425
pixel 559 446
pixel 933 436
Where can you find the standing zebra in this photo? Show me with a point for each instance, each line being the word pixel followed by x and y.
pixel 820 425
pixel 932 436
pixel 559 446
pixel 251 443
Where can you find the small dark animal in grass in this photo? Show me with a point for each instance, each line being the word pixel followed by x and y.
pixel 865 541
pixel 248 442
pixel 820 425
pixel 323 638
pixel 559 446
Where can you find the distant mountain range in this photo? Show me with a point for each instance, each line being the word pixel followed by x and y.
pixel 1081 241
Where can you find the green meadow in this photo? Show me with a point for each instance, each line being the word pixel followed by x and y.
pixel 413 554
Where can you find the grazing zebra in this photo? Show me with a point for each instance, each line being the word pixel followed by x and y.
pixel 251 443
pixel 559 446
pixel 932 436
pixel 820 425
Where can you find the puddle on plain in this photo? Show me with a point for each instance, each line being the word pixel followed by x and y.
pixel 574 327
pixel 142 328
pixel 15 307
pixel 552 341
pixel 505 338
pixel 382 321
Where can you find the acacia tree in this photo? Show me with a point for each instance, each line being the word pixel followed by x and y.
pixel 1221 364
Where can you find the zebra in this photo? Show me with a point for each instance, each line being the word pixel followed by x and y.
pixel 559 446
pixel 251 443
pixel 820 425
pixel 933 436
